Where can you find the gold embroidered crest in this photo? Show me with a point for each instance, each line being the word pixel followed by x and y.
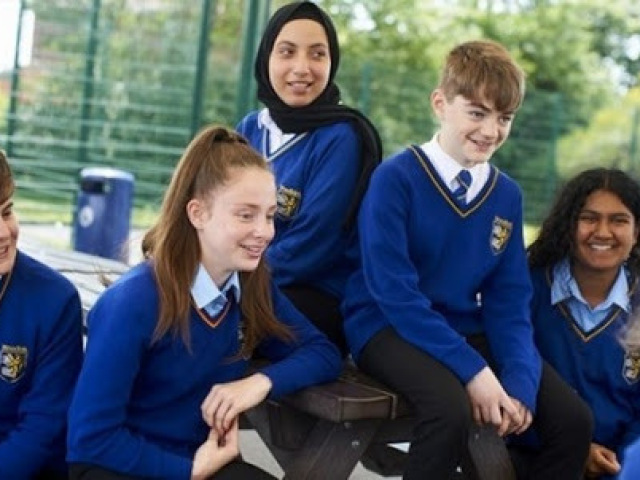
pixel 288 202
pixel 14 362
pixel 631 367
pixel 500 233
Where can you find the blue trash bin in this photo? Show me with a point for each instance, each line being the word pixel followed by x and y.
pixel 102 215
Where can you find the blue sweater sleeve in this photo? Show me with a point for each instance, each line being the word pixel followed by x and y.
pixel 310 359
pixel 506 297
pixel 392 279
pixel 43 409
pixel 631 462
pixel 632 430
pixel 120 327
pixel 316 235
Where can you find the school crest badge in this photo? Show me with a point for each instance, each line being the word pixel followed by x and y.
pixel 14 362
pixel 500 233
pixel 288 202
pixel 631 367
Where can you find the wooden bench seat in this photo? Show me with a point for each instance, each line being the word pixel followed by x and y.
pixel 354 396
pixel 319 433
pixel 323 431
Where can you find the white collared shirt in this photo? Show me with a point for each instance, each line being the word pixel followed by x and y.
pixel 207 295
pixel 277 137
pixel 565 288
pixel 448 169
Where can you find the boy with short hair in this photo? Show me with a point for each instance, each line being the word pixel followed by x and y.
pixel 40 353
pixel 439 310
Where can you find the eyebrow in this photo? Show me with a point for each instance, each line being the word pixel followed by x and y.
pixel 289 43
pixel 253 206
pixel 607 214
pixel 483 107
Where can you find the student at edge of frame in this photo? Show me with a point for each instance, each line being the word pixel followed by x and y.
pixel 40 353
pixel 585 266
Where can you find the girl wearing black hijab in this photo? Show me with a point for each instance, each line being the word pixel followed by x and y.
pixel 322 154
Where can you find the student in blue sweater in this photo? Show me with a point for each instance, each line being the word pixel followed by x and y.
pixel 165 374
pixel 439 310
pixel 322 154
pixel 40 353
pixel 585 266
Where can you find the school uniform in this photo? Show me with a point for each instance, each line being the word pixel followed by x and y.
pixel 41 355
pixel 322 154
pixel 312 253
pixel 315 175
pixel 583 345
pixel 443 292
pixel 136 409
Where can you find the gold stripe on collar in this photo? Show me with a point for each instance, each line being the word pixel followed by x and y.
pixel 475 204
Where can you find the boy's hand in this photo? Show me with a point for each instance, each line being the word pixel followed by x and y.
pixel 228 400
pixel 525 415
pixel 601 461
pixel 490 403
pixel 215 453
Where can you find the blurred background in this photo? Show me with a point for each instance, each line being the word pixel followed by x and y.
pixel 127 83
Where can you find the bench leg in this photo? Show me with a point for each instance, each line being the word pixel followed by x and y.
pixel 259 418
pixel 332 450
pixel 325 450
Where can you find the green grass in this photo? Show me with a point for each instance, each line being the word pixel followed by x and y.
pixel 33 211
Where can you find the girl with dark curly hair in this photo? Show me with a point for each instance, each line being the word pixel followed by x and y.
pixel 585 266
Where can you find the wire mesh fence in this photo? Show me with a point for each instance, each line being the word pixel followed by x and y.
pixel 127 83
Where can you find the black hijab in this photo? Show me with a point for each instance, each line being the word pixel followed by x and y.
pixel 326 108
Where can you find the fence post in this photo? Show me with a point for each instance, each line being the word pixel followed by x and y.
pixel 15 80
pixel 365 88
pixel 201 66
pixel 253 24
pixel 87 91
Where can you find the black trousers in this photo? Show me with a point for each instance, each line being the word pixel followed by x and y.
pixel 236 470
pixel 563 422
pixel 323 309
pixel 51 475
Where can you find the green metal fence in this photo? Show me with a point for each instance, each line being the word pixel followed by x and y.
pixel 127 83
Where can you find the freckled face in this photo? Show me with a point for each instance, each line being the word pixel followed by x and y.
pixel 300 63
pixel 470 132
pixel 235 223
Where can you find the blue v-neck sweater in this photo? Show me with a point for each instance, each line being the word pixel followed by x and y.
pixel 316 173
pixel 437 270
pixel 136 408
pixel 594 363
pixel 41 354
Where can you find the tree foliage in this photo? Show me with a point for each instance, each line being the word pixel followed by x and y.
pixel 580 56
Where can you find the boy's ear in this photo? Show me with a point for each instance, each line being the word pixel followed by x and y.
pixel 197 212
pixel 438 101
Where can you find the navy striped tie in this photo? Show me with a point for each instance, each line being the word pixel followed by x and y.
pixel 464 181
